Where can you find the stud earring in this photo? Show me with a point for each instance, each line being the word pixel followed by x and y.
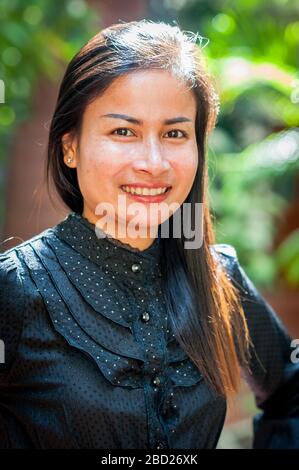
pixel 69 160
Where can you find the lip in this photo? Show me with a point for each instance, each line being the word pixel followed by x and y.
pixel 145 199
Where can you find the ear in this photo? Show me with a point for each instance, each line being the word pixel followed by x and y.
pixel 69 148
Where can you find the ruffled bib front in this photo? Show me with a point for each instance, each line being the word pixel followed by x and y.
pixel 105 299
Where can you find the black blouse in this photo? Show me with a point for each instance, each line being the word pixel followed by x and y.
pixel 91 360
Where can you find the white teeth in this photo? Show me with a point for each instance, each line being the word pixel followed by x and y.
pixel 144 191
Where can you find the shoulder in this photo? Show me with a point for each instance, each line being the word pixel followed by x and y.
pixel 21 247
pixel 16 266
pixel 226 255
pixel 10 270
pixel 14 269
pixel 14 257
pixel 224 249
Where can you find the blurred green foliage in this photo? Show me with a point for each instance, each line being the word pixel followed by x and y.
pixel 252 50
pixel 287 257
pixel 37 38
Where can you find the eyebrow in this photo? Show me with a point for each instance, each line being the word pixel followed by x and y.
pixel 139 122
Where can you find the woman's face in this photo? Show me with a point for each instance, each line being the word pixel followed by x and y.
pixel 139 133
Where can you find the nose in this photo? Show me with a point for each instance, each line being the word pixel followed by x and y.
pixel 153 160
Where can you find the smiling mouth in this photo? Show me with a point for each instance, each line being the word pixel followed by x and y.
pixel 148 192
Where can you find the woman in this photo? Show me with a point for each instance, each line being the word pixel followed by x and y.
pixel 117 340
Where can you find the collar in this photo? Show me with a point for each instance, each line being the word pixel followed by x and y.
pixel 115 257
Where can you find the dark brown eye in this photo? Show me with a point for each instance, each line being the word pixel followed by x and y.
pixel 122 131
pixel 174 133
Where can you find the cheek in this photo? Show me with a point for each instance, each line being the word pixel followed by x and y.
pixel 102 155
pixel 93 161
pixel 185 169
pixel 186 163
pixel 92 173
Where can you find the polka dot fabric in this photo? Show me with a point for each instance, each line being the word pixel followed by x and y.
pixel 91 358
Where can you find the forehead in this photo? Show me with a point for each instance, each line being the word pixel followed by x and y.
pixel 139 93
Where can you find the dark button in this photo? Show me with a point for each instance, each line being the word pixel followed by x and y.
pixel 161 445
pixel 156 381
pixel 135 268
pixel 145 316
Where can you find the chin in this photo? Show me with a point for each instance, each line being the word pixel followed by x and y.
pixel 141 227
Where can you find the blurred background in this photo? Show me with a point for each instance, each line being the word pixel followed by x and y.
pixel 252 50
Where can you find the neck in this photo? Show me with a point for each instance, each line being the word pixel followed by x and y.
pixel 142 242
